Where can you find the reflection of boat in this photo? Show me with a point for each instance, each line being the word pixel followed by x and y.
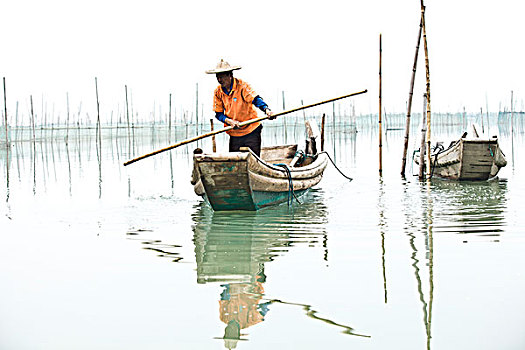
pixel 467 158
pixel 232 248
pixel 244 181
pixel 471 207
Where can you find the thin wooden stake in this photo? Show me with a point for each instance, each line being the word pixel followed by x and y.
pixel 32 118
pixel 214 144
pixel 380 126
pixel 322 131
pixel 67 122
pixel 169 122
pixel 423 144
pixel 410 95
pixel 127 115
pixel 5 117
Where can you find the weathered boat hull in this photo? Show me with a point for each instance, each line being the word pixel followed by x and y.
pixel 243 181
pixel 469 160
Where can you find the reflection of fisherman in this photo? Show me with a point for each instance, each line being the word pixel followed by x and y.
pixel 239 308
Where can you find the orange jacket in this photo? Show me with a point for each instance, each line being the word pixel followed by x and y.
pixel 237 105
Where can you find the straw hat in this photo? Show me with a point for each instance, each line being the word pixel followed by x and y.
pixel 222 66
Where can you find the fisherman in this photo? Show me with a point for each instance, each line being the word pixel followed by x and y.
pixel 234 101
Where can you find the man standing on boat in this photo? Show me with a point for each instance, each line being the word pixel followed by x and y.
pixel 234 101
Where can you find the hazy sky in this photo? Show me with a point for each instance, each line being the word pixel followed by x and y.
pixel 312 50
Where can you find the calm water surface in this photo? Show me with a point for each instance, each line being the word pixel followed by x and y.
pixel 95 255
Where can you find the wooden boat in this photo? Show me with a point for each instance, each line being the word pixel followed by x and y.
pixel 244 181
pixel 468 159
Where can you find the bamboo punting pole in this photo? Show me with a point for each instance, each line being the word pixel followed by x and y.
pixel 214 144
pixel 5 117
pixel 410 95
pixel 428 90
pixel 215 132
pixel 380 126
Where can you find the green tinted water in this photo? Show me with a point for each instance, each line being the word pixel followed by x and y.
pixel 95 255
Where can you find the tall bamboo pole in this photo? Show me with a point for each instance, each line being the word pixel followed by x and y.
pixel 380 126
pixel 428 90
pixel 410 95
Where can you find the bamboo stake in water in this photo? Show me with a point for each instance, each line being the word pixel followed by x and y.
pixel 127 116
pixel 169 122
pixel 423 135
pixel 5 117
pixel 197 108
pixel 99 134
pixel 214 144
pixel 322 131
pixel 184 142
pixel 380 126
pixel 428 90
pixel 32 118
pixel 410 95
pixel 67 120
pixel 482 124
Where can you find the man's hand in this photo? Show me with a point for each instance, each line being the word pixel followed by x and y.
pixel 269 113
pixel 234 123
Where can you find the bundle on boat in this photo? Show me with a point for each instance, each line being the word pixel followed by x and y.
pixel 244 181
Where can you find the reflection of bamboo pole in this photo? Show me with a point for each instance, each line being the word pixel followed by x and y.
pixel 428 88
pixel 380 127
pixel 313 314
pixel 410 94
pixel 430 281
pixel 214 145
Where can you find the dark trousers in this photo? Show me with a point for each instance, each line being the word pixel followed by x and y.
pixel 252 140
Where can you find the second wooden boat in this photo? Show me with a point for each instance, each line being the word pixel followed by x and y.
pixel 467 158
